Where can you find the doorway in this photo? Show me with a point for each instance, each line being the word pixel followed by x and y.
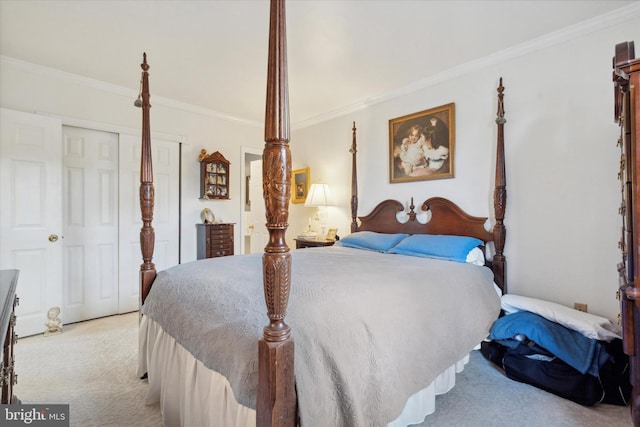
pixel 254 232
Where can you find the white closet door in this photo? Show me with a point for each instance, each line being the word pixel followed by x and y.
pixel 166 214
pixel 90 221
pixel 30 218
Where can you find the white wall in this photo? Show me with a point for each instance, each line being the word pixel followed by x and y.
pixel 561 157
pixel 562 161
pixel 29 88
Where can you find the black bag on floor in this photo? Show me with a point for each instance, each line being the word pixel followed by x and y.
pixel 533 365
pixel 493 351
pixel 615 375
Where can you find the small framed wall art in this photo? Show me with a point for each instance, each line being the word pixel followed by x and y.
pixel 300 179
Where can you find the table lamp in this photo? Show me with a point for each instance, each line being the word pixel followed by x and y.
pixel 320 197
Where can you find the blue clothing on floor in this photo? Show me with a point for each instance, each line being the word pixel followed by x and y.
pixel 584 354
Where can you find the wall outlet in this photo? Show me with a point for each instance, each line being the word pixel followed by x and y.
pixel 580 306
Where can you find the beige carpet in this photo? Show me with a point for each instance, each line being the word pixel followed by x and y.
pixel 92 366
pixel 485 397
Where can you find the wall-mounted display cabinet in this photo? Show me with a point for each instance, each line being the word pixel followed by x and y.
pixel 214 176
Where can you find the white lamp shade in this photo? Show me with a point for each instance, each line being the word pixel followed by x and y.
pixel 319 195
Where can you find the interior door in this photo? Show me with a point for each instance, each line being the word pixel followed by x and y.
pixel 30 218
pixel 90 223
pixel 166 215
pixel 259 236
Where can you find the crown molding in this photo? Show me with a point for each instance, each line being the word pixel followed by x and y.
pixel 118 90
pixel 581 29
pixel 107 127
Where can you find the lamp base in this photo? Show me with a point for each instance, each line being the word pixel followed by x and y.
pixel 322 219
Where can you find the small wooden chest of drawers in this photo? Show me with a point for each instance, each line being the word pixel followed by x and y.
pixel 215 240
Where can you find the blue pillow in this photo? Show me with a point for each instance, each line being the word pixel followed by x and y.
pixel 453 248
pixel 379 242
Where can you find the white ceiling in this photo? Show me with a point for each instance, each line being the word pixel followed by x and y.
pixel 212 53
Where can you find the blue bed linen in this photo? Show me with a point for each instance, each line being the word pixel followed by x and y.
pixel 452 248
pixel 379 242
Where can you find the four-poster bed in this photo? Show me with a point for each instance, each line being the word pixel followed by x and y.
pixel 373 349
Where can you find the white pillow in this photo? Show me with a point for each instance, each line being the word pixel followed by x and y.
pixel 475 256
pixel 589 325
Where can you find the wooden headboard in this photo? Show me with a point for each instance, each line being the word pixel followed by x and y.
pixel 445 216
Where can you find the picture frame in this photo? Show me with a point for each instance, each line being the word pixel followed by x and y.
pixel 331 234
pixel 300 179
pixel 422 145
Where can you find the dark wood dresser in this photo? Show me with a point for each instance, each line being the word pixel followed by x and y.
pixel 8 303
pixel 214 240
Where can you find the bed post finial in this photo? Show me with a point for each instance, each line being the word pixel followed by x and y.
pixel 500 198
pixel 500 114
pixel 412 211
pixel 276 402
pixel 354 181
pixel 147 233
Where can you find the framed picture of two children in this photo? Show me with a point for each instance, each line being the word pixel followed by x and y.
pixel 422 145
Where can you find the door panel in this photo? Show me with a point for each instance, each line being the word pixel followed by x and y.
pixel 31 190
pixel 166 214
pixel 90 160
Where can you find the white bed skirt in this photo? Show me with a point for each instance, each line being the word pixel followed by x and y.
pixel 191 394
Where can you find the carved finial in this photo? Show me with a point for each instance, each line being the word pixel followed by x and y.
pixel 412 211
pixel 353 149
pixel 500 117
pixel 144 65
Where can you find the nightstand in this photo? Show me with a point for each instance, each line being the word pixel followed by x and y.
pixel 313 243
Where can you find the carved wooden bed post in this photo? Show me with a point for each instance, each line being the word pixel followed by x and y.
pixel 354 182
pixel 276 404
pixel 500 199
pixel 147 233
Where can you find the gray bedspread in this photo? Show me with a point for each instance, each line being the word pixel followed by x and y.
pixel 370 329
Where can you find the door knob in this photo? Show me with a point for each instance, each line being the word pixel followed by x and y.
pixel 251 227
pixel 53 238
